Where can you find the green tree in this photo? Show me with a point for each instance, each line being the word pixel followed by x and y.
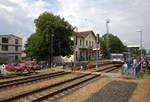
pixel 39 44
pixel 137 52
pixel 115 44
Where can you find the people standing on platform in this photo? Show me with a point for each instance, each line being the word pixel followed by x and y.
pixel 72 65
pixel 134 65
pixel 63 63
pixel 144 65
pixel 124 67
pixel 134 62
pixel 148 67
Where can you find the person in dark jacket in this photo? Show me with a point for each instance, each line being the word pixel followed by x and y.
pixel 148 67
pixel 71 65
pixel 63 63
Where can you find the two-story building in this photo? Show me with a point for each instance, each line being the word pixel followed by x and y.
pixel 10 48
pixel 86 46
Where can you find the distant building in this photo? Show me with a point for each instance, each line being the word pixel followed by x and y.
pixel 133 47
pixel 10 48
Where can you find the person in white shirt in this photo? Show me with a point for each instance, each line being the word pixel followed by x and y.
pixel 134 62
pixel 124 67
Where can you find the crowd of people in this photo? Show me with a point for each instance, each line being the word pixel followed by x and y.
pixel 144 63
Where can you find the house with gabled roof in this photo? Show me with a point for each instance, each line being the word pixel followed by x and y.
pixel 86 46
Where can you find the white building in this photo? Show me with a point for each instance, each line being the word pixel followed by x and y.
pixel 86 47
pixel 10 48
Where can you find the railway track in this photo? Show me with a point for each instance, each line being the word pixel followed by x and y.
pixel 108 69
pixel 16 75
pixel 48 92
pixel 30 79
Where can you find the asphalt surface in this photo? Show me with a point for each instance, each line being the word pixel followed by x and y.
pixel 115 91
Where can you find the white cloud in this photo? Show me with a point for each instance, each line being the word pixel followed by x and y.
pixel 17 16
pixel 126 16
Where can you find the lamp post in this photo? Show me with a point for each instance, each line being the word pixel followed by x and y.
pixel 107 37
pixel 75 43
pixel 52 49
pixel 97 52
pixel 140 41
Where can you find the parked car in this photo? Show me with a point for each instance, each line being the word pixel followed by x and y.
pixel 29 66
pixel 36 66
pixel 32 66
pixel 15 67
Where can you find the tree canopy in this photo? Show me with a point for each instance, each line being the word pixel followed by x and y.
pixel 115 44
pixel 137 52
pixel 47 26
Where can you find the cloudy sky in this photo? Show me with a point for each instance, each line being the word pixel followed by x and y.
pixel 126 16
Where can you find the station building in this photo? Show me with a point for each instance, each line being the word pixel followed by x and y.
pixel 10 48
pixel 86 47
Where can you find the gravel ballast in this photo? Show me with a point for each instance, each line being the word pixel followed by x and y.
pixel 115 91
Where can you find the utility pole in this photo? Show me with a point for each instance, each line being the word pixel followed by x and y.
pixel 97 52
pixel 140 44
pixel 52 50
pixel 107 37
pixel 60 51
pixel 75 43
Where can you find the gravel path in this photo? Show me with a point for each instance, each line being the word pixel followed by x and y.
pixel 115 91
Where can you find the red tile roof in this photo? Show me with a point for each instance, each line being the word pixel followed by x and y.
pixel 84 34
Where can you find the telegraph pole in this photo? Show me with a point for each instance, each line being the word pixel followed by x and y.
pixel 52 50
pixel 97 52
pixel 107 37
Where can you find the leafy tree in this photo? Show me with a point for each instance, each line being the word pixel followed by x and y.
pixel 137 52
pixel 115 44
pixel 39 44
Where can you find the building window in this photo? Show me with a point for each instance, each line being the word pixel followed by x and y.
pixel 86 43
pixel 89 43
pixel 76 55
pixel 83 43
pixel 4 40
pixel 80 42
pixel 4 47
pixel 16 48
pixel 16 58
pixel 76 42
pixel 16 41
pixel 92 43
